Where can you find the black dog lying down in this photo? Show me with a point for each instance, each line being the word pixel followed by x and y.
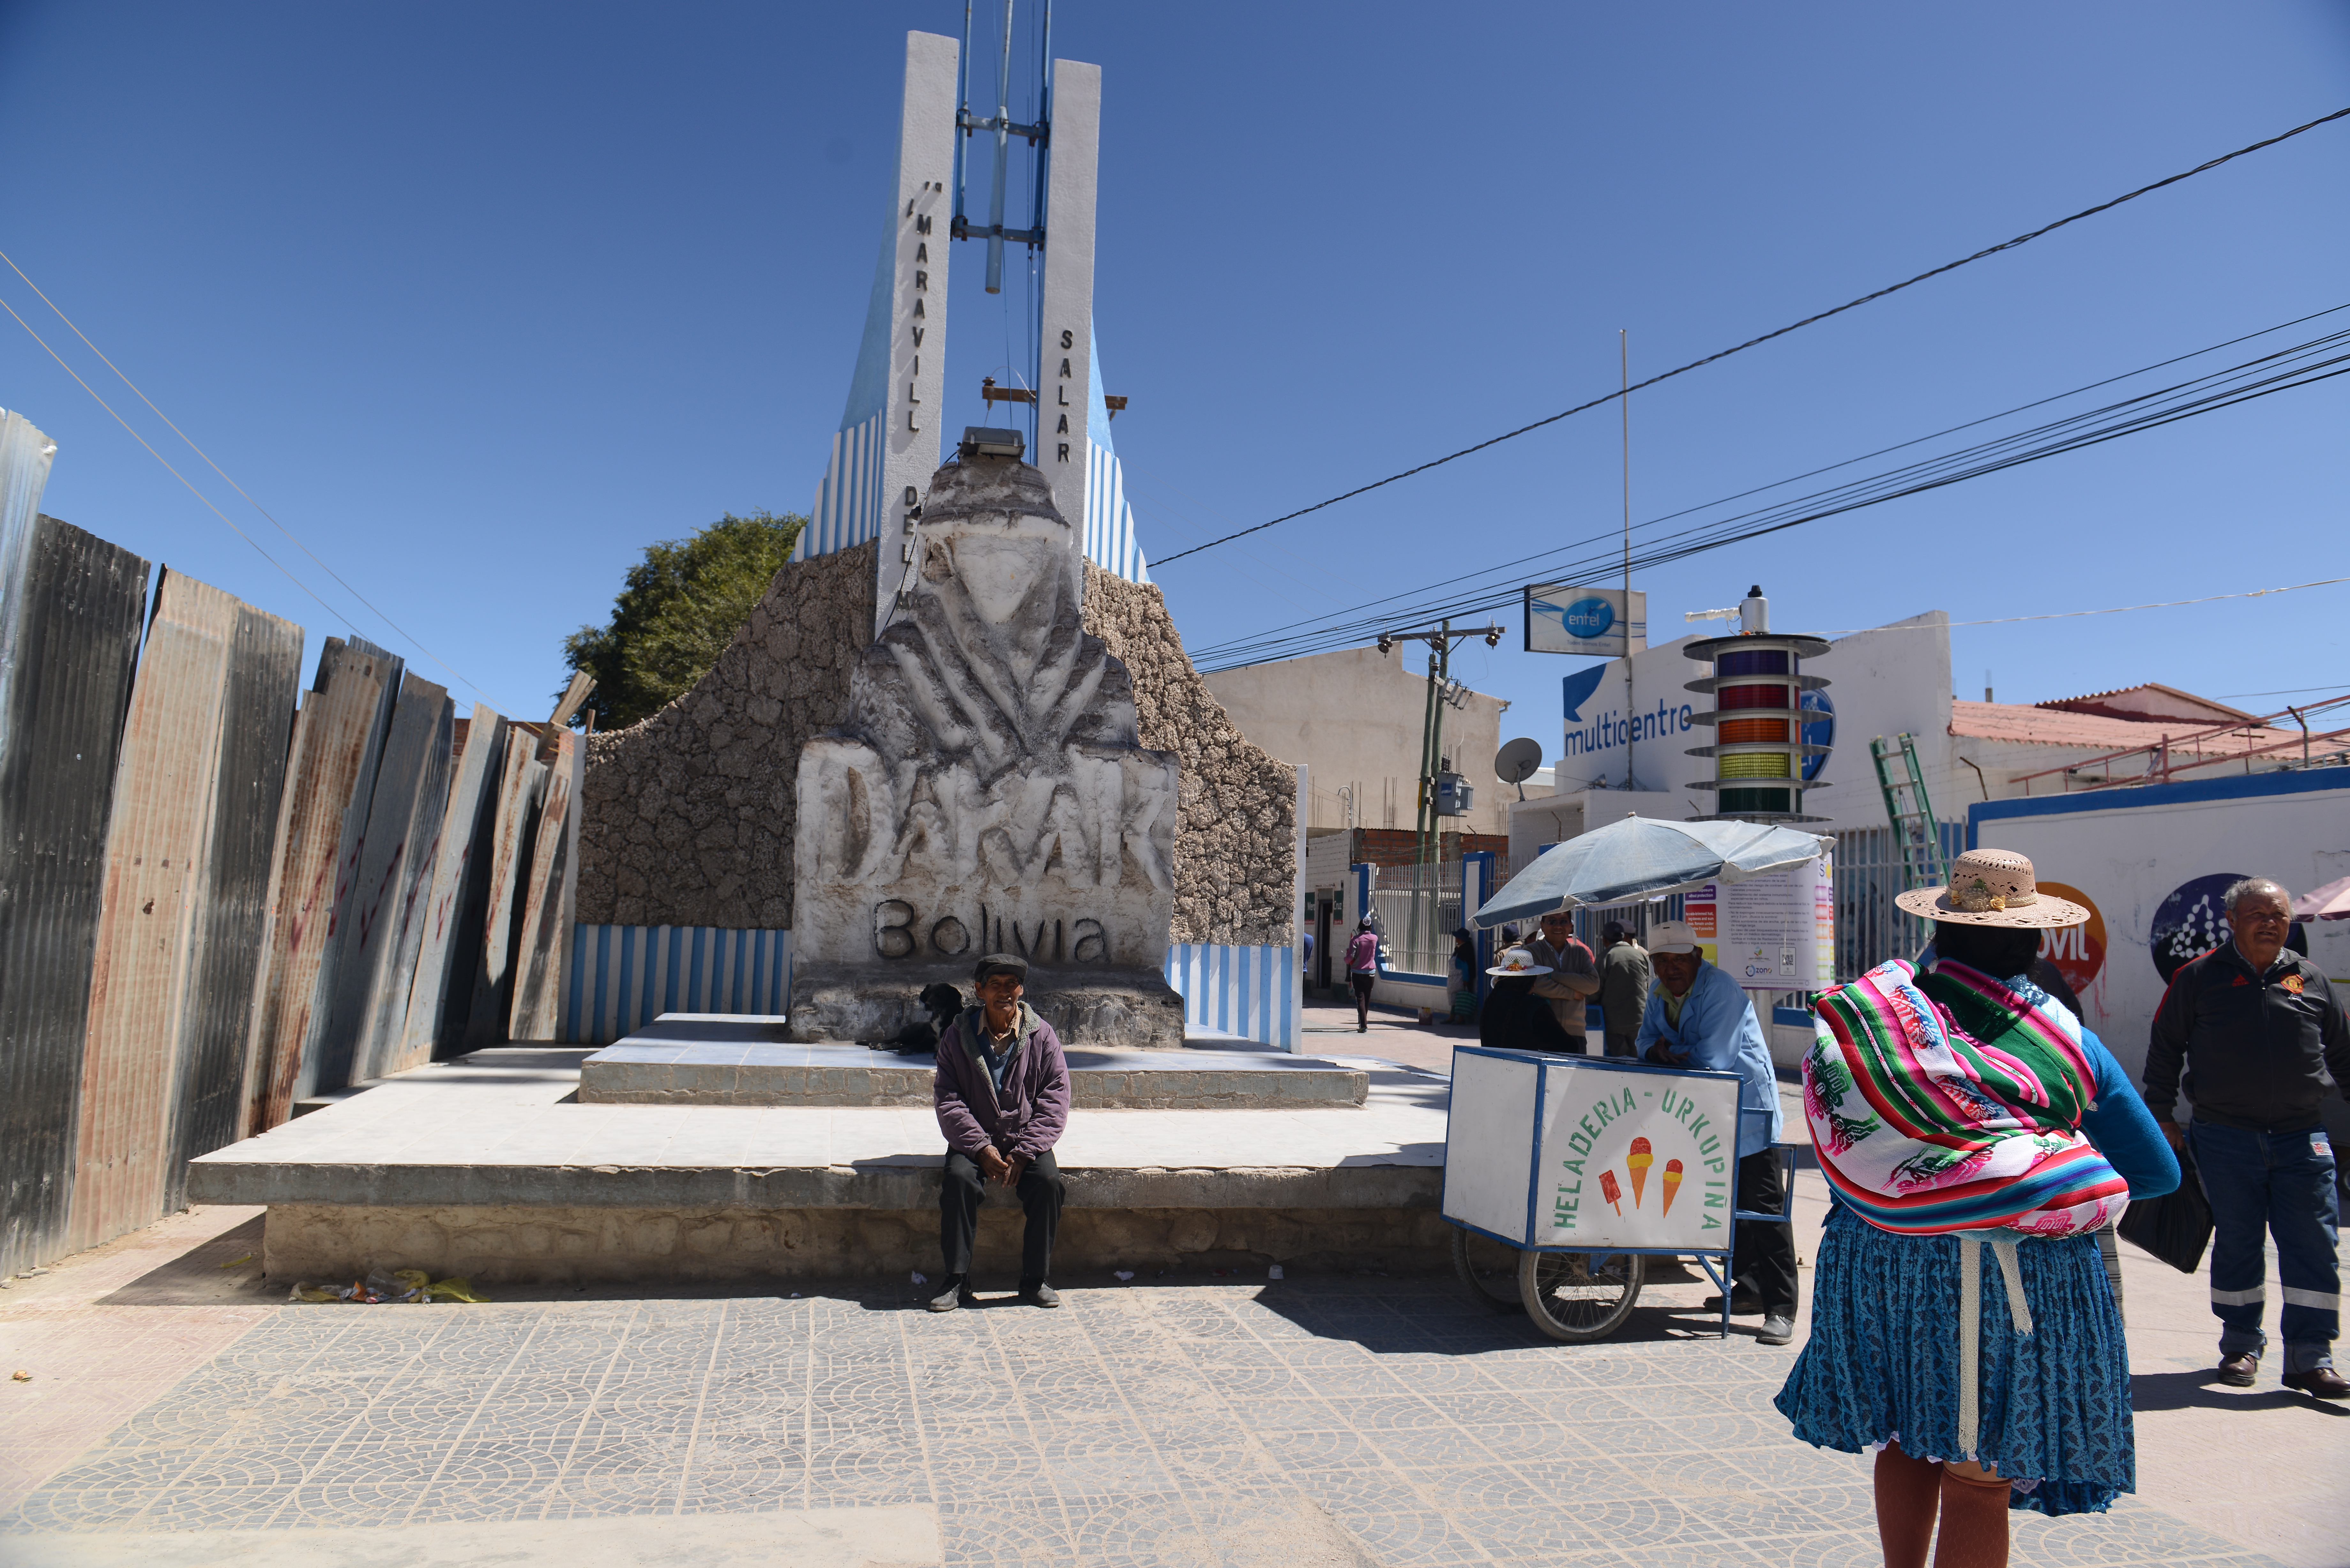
pixel 942 1002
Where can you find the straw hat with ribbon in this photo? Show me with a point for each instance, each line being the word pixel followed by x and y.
pixel 1517 964
pixel 1992 887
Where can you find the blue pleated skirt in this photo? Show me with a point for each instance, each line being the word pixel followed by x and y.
pixel 1882 1362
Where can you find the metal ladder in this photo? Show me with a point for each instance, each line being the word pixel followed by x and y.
pixel 1916 836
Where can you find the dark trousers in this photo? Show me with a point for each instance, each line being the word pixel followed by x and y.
pixel 1041 1190
pixel 1621 1044
pixel 2281 1185
pixel 1762 1257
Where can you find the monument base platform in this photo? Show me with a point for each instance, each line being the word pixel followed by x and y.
pixel 1131 1009
pixel 723 1059
pixel 491 1168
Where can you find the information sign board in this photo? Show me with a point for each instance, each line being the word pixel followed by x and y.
pixel 1772 932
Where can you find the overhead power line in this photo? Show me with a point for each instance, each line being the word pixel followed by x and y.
pixel 1166 561
pixel 1529 562
pixel 2118 609
pixel 2304 364
pixel 216 468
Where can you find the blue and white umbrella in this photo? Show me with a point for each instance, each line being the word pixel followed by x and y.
pixel 1644 858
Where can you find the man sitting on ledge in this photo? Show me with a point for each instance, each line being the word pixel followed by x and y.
pixel 1003 1100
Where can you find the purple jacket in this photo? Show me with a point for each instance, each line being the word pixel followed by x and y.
pixel 1034 1108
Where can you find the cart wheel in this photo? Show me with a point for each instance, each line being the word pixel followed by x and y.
pixel 1489 1268
pixel 1580 1295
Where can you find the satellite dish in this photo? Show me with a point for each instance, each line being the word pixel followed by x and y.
pixel 1518 762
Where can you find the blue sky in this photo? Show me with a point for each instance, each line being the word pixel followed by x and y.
pixel 477 300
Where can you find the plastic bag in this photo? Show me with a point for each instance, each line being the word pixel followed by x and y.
pixel 2175 1227
pixel 455 1290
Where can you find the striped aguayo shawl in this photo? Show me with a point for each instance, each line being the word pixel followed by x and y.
pixel 1952 1103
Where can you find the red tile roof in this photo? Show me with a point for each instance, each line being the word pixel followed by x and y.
pixel 2032 726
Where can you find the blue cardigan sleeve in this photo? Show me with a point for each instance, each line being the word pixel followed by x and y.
pixel 2123 1129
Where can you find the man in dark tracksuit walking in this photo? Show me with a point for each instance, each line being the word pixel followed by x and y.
pixel 1002 1101
pixel 2263 1040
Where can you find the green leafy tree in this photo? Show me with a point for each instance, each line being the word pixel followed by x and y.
pixel 681 606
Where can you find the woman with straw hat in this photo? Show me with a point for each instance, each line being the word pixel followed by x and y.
pixel 1955 1113
pixel 1514 1018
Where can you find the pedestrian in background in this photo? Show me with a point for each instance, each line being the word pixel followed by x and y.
pixel 1982 1384
pixel 1362 970
pixel 1464 976
pixel 1514 1018
pixel 1623 978
pixel 1574 979
pixel 2261 1036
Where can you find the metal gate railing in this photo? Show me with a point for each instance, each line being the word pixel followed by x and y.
pixel 1418 909
pixel 1869 926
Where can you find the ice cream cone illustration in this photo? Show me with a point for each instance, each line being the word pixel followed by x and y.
pixel 1639 1159
pixel 1672 1182
pixel 1610 1191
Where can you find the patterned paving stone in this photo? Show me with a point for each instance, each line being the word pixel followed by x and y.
pixel 1166 1424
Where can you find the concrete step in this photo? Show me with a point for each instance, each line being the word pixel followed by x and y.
pixel 695 1059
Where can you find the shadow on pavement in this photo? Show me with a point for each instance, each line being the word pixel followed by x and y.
pixel 2152 1391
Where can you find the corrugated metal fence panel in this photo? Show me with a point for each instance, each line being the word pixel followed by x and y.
pixel 384 1048
pixel 537 1010
pixel 379 671
pixel 519 788
pixel 622 978
pixel 76 643
pixel 24 454
pixel 158 861
pixel 369 933
pixel 440 996
pixel 331 743
pixel 265 679
pixel 1251 992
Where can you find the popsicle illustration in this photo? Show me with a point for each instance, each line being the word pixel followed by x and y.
pixel 1610 1191
pixel 1672 1182
pixel 1639 1159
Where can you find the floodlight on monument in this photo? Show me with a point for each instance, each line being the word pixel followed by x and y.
pixel 1758 716
pixel 982 440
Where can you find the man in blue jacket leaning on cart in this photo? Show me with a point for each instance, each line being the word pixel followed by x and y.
pixel 1698 1017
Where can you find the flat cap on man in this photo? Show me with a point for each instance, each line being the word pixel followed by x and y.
pixel 1012 964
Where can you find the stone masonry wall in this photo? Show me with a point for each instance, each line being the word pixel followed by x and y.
pixel 688 817
pixel 1235 848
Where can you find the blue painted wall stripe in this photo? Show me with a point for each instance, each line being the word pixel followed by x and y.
pixel 1251 992
pixel 623 977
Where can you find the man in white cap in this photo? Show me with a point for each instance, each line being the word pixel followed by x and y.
pixel 1698 1017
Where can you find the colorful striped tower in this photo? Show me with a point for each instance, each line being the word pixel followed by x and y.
pixel 1758 718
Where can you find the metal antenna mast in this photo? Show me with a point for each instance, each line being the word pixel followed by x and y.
pixel 1039 137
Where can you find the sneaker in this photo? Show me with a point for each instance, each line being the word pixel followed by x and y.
pixel 2239 1370
pixel 1778 1328
pixel 1740 1304
pixel 956 1294
pixel 2319 1383
pixel 1040 1294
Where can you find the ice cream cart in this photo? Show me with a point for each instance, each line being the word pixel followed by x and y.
pixel 1563 1174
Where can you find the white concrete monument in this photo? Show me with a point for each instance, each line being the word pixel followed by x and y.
pixel 888 437
pixel 988 793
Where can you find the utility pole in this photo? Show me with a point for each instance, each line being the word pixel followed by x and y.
pixel 1624 401
pixel 1431 758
